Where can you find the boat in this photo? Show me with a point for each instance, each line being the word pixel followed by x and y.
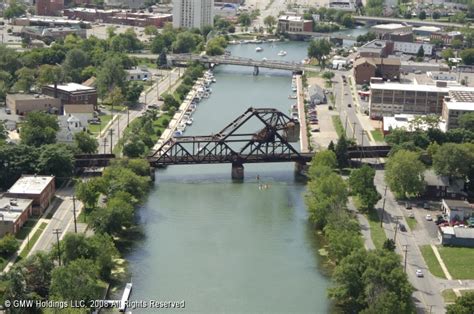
pixel 177 133
pixel 189 121
pixel 264 59
pixel 293 88
pixel 282 53
pixel 293 96
pixel 125 297
pixel 259 49
pixel 206 95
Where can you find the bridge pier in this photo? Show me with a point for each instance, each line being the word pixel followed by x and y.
pixel 237 171
pixel 300 166
pixel 256 70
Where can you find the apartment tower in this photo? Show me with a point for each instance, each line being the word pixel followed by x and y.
pixel 193 13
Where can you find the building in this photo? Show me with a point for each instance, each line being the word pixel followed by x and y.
pixel 193 13
pixel 435 185
pixel 405 121
pixel 49 22
pixel 126 4
pixel 14 212
pixel 456 210
pixel 83 113
pixel 21 104
pixel 138 75
pixel 343 5
pixel 40 189
pixel 226 10
pixel 385 68
pixel 447 37
pixel 455 105
pixel 388 99
pixel 72 93
pixel 50 34
pixel 382 30
pixel 376 49
pixel 426 31
pixel 412 48
pixel 294 24
pixel 422 67
pixel 316 95
pixel 49 7
pixel 68 127
pixel 456 236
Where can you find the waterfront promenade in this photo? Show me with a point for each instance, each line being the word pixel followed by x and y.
pixel 304 145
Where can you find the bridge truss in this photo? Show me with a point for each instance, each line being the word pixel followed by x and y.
pixel 235 144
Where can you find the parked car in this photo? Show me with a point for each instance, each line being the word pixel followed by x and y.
pixel 402 227
pixel 349 105
pixel 408 205
pixel 419 273
pixel 8 111
pixel 429 218
pixel 315 130
pixel 153 107
pixel 411 215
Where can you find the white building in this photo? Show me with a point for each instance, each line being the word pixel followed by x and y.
pixel 128 4
pixel 193 13
pixel 138 75
pixel 412 48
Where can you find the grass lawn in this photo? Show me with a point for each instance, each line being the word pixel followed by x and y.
pixel 432 261
pixel 336 121
pixel 458 260
pixel 449 296
pixel 464 292
pixel 116 107
pixel 96 128
pixel 377 135
pixel 312 74
pixel 27 227
pixel 33 240
pixel 376 232
pixel 411 223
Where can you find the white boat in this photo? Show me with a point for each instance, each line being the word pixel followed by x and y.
pixel 282 53
pixel 293 88
pixel 259 49
pixel 177 133
pixel 292 97
pixel 189 121
pixel 125 297
pixel 206 95
pixel 213 80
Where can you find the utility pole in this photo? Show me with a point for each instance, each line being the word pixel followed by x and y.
pixel 354 130
pixel 57 232
pixel 118 128
pixel 383 206
pixel 74 212
pixel 405 249
pixel 128 116
pixel 105 143
pixel 396 230
pixel 345 128
pixel 111 133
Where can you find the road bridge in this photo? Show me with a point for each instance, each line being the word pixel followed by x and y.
pixel 384 20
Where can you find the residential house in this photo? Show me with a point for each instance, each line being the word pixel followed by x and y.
pixel 457 210
pixel 138 74
pixel 316 95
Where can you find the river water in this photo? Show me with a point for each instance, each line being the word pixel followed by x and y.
pixel 224 246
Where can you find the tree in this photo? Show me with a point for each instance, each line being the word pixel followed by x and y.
pixel 186 42
pixel 347 20
pixel 421 52
pixel 57 160
pixel 134 147
pixel 361 182
pixel 151 30
pixel 270 22
pixel 422 15
pixel 404 173
pixel 157 44
pixel 389 245
pixel 436 15
pixel 76 60
pixel 133 92
pixel 162 59
pixel 457 43
pixel 75 281
pixel 244 20
pixel 39 129
pixel 117 214
pixel 88 193
pixel 467 56
pixel 447 54
pixel 115 97
pixel 331 146
pixel 328 75
pixel 466 121
pixel 50 74
pixel 341 152
pixel 15 9
pixel 111 74
pixel 8 245
pixel 86 143
pixel 463 305
pixel 319 49
pixel 170 101
pixel 26 79
pixel 454 160
pixel 216 46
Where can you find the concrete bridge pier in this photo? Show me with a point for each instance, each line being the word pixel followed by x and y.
pixel 256 70
pixel 300 166
pixel 237 171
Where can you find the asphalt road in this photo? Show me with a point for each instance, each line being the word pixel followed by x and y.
pixel 427 296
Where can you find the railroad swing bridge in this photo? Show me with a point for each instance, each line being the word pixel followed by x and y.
pixel 233 144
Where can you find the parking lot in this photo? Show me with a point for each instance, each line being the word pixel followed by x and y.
pixel 425 231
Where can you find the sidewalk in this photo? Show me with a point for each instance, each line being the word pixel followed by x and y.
pixel 364 226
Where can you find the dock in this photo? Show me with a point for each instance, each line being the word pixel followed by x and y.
pixel 304 146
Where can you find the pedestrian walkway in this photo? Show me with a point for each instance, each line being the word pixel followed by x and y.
pixel 364 226
pixel 302 115
pixel 441 262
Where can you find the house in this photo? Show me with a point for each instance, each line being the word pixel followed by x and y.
pixel 83 113
pixel 457 210
pixel 456 236
pixel 49 7
pixel 316 95
pixel 435 185
pixel 386 68
pixel 138 75
pixel 21 104
pixel 68 126
pixel 14 212
pixel 72 93
pixel 40 189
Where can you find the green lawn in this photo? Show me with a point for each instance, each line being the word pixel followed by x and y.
pixel 116 107
pixel 458 260
pixel 96 128
pixel 27 227
pixel 463 292
pixel 336 121
pixel 432 261
pixel 313 74
pixel 376 232
pixel 377 135
pixel 449 296
pixel 411 223
pixel 33 240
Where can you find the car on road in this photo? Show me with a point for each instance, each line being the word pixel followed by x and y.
pixel 429 218
pixel 346 93
pixel 349 105
pixel 408 205
pixel 402 227
pixel 419 273
pixel 315 130
pixel 8 111
pixel 411 215
pixel 153 107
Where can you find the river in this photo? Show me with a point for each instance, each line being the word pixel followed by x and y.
pixel 224 246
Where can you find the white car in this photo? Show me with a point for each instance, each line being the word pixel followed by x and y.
pixel 429 218
pixel 419 273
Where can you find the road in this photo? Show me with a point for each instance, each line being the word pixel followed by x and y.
pixel 122 119
pixel 427 297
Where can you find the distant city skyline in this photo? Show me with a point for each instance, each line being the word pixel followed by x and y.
pixel 193 13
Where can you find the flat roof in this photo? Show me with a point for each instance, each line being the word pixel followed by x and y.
pixel 73 87
pixel 28 96
pixel 456 203
pixel 427 29
pixel 81 108
pixel 31 184
pixel 402 121
pixel 461 106
pixel 418 87
pixel 462 95
pixel 294 18
pixel 389 26
pixel 459 232
pixel 12 208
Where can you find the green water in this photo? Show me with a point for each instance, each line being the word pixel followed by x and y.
pixel 227 247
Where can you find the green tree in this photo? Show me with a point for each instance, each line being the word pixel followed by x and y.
pixel 404 173
pixel 14 9
pixel 76 60
pixel 319 49
pixel 133 92
pixel 270 21
pixel 328 75
pixel 341 152
pixel 361 182
pixel 26 79
pixel 389 245
pixel 162 59
pixel 115 97
pixel 86 143
pixel 186 42
pixel 111 74
pixel 436 15
pixel 49 74
pixel 463 305
pixel 421 52
pixel 466 121
pixel 88 193
pixel 157 44
pixel 422 15
pixel 114 217
pixel 39 129
pixel 151 30
pixel 8 245
pixel 467 56
pixel 216 46
pixel 244 20
pixel 134 147
pixel 77 280
pixel 454 160
pixel 374 7
pixel 457 43
pixel 16 160
pixel 447 53
pixel 57 160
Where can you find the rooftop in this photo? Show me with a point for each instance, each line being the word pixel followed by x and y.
pixel 83 108
pixel 461 106
pixel 11 208
pixel 427 29
pixel 459 232
pixel 462 96
pixel 433 179
pixel 30 184
pixel 418 87
pixel 293 18
pixel 73 87
pixel 403 121
pixel 389 26
pixel 28 96
pixel 456 203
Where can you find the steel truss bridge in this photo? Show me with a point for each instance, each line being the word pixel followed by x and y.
pixel 235 145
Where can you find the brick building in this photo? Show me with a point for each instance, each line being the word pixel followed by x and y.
pixel 385 68
pixel 40 189
pixel 49 7
pixel 294 24
pixel 21 104
pixel 447 37
pixel 72 93
pixel 14 212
